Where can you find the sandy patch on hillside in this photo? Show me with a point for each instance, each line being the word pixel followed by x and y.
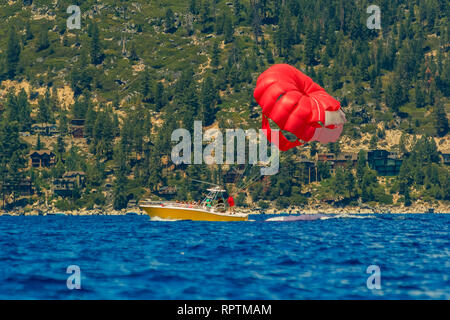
pixel 391 142
pixel 7 85
pixel 65 96
pixel 43 16
pixel 138 68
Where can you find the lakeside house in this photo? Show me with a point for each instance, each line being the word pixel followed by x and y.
pixel 345 159
pixel 42 158
pixel 77 128
pixel 384 162
pixel 326 157
pixel 167 192
pixel 23 187
pixel 69 181
pixel 44 129
pixel 446 158
pixel 309 169
pixel 342 160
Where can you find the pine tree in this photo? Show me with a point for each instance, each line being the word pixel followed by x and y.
pixel 43 39
pixel 79 109
pixel 228 30
pixel 28 33
pixel 310 46
pixel 23 111
pixel 12 153
pixel 193 7
pixel 95 46
pixel 208 98
pixel 147 87
pixel 120 193
pixel 159 96
pixel 441 120
pixel 419 97
pixel 91 116
pixel 44 114
pixel 361 167
pixel 215 56
pixel 407 198
pixel 133 53
pixel 39 143
pixel 169 21
pixel 60 145
pixel 12 53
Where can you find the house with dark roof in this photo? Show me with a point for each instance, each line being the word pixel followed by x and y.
pixel 69 181
pixel 344 159
pixel 77 128
pixel 446 158
pixel 42 158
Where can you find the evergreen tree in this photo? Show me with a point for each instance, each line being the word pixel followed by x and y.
pixel 169 21
pixel 60 146
pixel 208 98
pixel 441 120
pixel 159 96
pixel 193 8
pixel 361 167
pixel 310 46
pixel 120 194
pixel 44 111
pixel 43 43
pixel 419 97
pixel 215 56
pixel 95 46
pixel 12 53
pixel 28 33
pixel 20 110
pixel 228 30
pixel 39 143
pixel 12 154
pixel 81 77
pixel 133 53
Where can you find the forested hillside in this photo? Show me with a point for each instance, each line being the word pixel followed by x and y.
pixel 137 70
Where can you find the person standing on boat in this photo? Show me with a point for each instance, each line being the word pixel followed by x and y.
pixel 208 204
pixel 230 201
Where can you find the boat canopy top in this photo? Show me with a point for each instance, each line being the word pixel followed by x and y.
pixel 216 189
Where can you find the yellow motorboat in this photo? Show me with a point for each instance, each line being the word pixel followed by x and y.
pixel 205 211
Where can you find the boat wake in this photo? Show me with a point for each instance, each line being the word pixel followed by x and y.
pixel 163 219
pixel 312 217
pixel 302 217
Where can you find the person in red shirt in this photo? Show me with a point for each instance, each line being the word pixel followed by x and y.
pixel 230 201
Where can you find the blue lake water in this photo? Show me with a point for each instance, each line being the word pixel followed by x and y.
pixel 131 257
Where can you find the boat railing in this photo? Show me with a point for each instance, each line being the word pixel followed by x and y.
pixel 221 207
pixel 171 204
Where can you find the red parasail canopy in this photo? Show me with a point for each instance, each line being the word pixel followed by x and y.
pixel 298 105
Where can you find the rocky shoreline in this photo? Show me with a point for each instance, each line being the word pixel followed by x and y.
pixel 312 209
pixel 81 212
pixel 362 210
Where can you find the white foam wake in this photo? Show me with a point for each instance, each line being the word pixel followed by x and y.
pixel 162 219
